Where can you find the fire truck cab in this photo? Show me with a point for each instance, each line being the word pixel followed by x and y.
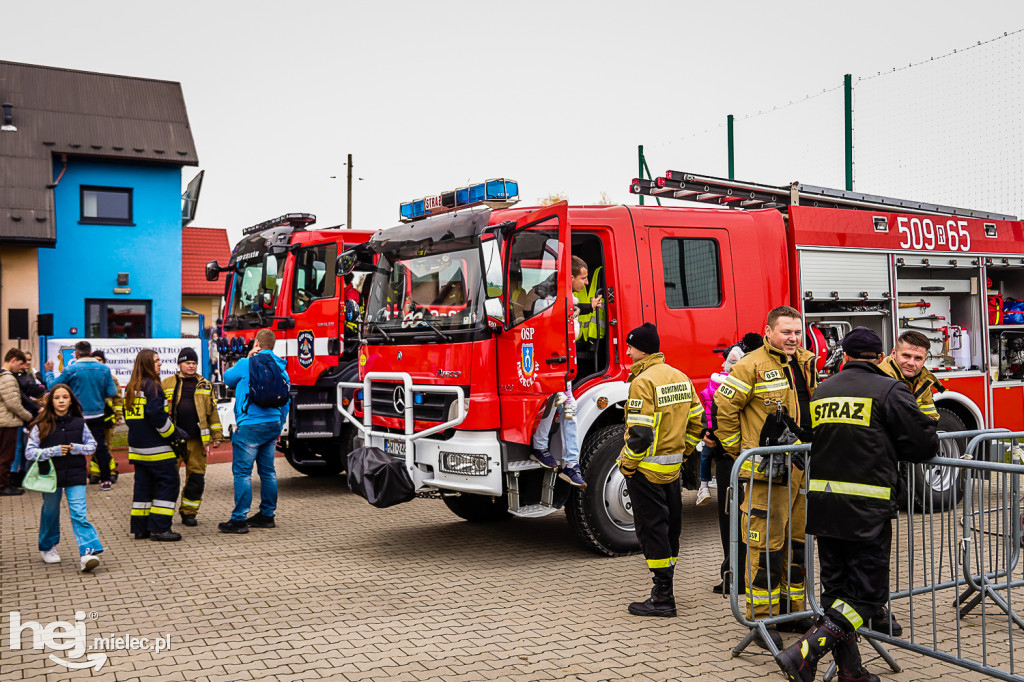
pixel 455 390
pixel 283 276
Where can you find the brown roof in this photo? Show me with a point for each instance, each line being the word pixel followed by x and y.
pixel 199 246
pixel 79 113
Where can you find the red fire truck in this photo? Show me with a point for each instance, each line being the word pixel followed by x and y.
pixel 456 363
pixel 283 276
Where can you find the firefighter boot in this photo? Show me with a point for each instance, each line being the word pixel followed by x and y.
pixel 661 602
pixel 799 662
pixel 848 661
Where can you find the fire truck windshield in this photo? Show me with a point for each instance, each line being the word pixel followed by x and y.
pixel 257 283
pixel 425 290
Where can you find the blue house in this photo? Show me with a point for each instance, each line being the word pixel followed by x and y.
pixel 92 166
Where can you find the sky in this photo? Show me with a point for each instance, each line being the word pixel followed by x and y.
pixel 429 96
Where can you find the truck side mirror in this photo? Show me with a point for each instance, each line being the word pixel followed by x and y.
pixel 212 271
pixel 346 262
pixel 495 311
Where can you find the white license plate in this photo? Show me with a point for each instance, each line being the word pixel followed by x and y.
pixel 394 447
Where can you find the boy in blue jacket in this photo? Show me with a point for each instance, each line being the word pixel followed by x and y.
pixel 254 441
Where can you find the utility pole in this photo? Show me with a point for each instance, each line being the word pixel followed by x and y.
pixel 348 222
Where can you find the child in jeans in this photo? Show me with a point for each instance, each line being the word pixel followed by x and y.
pixel 60 438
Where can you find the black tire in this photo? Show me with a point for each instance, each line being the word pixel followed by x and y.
pixel 318 463
pixel 602 516
pixel 478 508
pixel 937 488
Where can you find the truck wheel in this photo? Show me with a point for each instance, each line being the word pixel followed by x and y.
pixel 936 487
pixel 478 508
pixel 602 516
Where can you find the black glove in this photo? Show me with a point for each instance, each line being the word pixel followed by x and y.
pixel 779 472
pixel 799 460
pixel 802 434
pixel 179 443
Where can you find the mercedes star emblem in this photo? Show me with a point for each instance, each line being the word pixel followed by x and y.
pixel 399 355
pixel 398 398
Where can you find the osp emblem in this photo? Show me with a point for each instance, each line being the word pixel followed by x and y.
pixel 527 365
pixel 305 341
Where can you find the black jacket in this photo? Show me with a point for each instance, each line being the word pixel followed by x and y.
pixel 71 469
pixel 863 423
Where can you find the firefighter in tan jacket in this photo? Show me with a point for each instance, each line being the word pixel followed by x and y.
pixel 193 409
pixel 906 364
pixel 774 380
pixel 664 423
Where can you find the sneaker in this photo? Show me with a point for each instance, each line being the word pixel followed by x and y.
pixel 165 536
pixel 703 495
pixel 773 635
pixel 560 398
pixel 569 411
pixel 11 490
pixel 50 556
pixel 232 526
pixel 89 562
pixel 572 476
pixel 544 458
pixel 260 521
pixel 105 485
pixel 189 520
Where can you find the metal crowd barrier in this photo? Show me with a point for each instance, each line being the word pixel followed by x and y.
pixel 955 568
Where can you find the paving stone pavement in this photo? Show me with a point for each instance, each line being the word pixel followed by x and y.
pixel 340 590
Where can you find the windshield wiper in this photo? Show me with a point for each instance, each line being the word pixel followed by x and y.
pixel 386 336
pixel 431 327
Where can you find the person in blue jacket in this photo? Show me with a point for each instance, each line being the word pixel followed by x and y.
pixel 254 441
pixel 92 384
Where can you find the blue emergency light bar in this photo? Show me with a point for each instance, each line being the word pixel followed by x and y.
pixel 499 191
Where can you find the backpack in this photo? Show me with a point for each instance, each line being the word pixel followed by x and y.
pixel 268 386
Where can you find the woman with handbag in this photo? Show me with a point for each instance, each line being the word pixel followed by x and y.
pixel 58 444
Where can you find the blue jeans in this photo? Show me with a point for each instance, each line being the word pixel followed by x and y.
pixel 706 455
pixel 49 521
pixel 568 429
pixel 254 443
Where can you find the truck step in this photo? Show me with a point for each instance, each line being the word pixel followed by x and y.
pixel 523 465
pixel 315 406
pixel 315 434
pixel 533 511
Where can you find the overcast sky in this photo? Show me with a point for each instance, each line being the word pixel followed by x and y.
pixel 428 96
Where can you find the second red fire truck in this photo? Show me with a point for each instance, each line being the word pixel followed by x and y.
pixel 457 357
pixel 283 275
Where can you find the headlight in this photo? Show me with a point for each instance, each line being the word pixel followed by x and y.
pixel 464 464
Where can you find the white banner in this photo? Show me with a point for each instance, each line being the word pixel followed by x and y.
pixel 121 354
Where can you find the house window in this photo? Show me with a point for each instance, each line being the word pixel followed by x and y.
pixel 117 319
pixel 107 205
pixel 692 273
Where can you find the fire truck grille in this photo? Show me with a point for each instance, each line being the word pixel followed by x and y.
pixel 430 407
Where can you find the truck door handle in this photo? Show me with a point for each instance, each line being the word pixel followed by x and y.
pixel 560 360
pixel 719 350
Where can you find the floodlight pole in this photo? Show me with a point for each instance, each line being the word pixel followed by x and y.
pixel 348 222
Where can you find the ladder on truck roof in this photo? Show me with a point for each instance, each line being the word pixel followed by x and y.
pixel 708 189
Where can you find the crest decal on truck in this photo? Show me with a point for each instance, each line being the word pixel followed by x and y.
pixel 527 365
pixel 305 352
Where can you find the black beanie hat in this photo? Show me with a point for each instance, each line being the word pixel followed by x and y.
pixel 187 355
pixel 862 343
pixel 645 338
